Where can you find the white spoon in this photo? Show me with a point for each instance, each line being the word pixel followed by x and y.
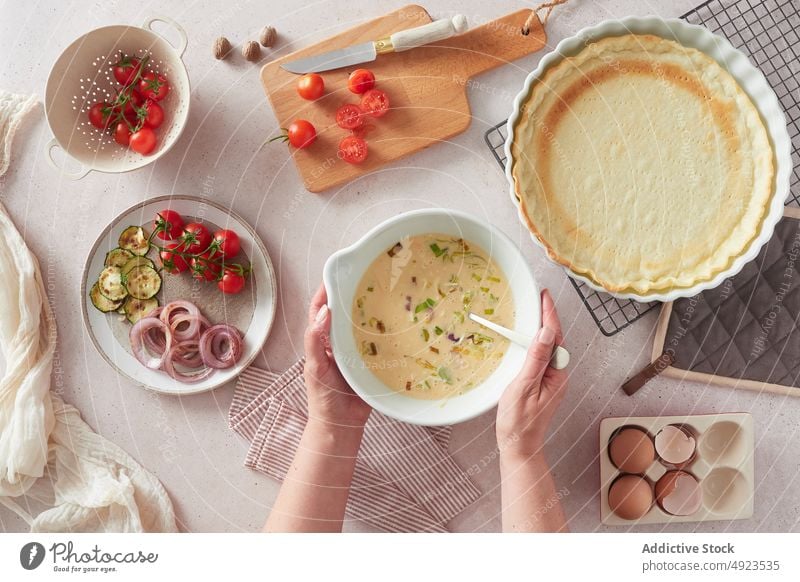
pixel 560 358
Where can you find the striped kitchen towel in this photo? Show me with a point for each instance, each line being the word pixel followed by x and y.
pixel 405 480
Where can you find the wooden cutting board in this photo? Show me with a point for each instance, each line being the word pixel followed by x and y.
pixel 427 89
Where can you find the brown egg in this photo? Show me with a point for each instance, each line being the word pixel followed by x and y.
pixel 630 497
pixel 631 450
pixel 679 493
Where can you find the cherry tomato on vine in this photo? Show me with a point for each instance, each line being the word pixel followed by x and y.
pixel 168 225
pixel 153 86
pixel 196 238
pixel 129 102
pixel 126 69
pixel 154 114
pixel 353 150
pixel 232 282
pixel 100 114
pixel 375 102
pixel 349 116
pixel 204 267
pixel 301 133
pixel 122 134
pixel 173 262
pixel 228 243
pixel 361 81
pixel 310 86
pixel 143 141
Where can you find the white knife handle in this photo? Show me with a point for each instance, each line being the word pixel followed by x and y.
pixel 433 32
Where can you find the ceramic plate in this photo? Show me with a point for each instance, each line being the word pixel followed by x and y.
pixel 252 311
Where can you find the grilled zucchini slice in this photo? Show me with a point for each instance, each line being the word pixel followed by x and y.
pixel 101 302
pixel 136 309
pixel 135 240
pixel 118 257
pixel 110 284
pixel 143 282
pixel 136 262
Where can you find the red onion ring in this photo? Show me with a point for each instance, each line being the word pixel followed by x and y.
pixel 212 344
pixel 192 331
pixel 176 307
pixel 187 353
pixel 169 368
pixel 143 327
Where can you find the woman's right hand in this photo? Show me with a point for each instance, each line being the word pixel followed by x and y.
pixel 530 401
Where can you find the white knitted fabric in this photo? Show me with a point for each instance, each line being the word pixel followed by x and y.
pixel 47 452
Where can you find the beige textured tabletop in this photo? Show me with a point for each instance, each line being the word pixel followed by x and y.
pixel 185 441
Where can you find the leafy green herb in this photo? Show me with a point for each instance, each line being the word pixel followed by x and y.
pixel 437 250
pixel 479 338
pixel 427 304
pixel 438 330
pixel 444 374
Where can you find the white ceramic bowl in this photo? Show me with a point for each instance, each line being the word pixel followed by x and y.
pixel 343 272
pixel 748 77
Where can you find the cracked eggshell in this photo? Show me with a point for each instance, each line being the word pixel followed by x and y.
pixel 679 493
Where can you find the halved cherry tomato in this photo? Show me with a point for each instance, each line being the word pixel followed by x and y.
pixel 172 262
pixel 361 81
pixel 375 102
pixel 311 86
pixel 126 69
pixel 204 268
pixel 153 86
pixel 154 114
pixel 349 116
pixel 232 282
pixel 353 150
pixel 100 114
pixel 122 134
pixel 143 141
pixel 227 243
pixel 168 225
pixel 301 133
pixel 196 238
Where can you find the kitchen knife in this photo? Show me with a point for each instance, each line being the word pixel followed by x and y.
pixel 364 53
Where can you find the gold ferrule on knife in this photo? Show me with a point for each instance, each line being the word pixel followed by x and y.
pixel 383 46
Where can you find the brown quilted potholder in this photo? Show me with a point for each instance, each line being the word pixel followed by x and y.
pixel 744 332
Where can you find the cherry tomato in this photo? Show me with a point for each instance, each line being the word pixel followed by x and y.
pixel 301 133
pixel 231 283
pixel 153 86
pixel 349 116
pixel 126 69
pixel 375 102
pixel 122 134
pixel 100 114
pixel 154 114
pixel 353 150
pixel 168 225
pixel 172 262
pixel 204 268
pixel 129 101
pixel 196 238
pixel 143 141
pixel 310 86
pixel 228 243
pixel 361 81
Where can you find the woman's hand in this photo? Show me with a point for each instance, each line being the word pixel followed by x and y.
pixel 528 404
pixel 330 398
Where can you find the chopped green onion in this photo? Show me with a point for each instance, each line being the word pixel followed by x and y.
pixel 437 250
pixel 488 311
pixel 427 304
pixel 477 277
pixel 494 279
pixel 438 330
pixel 425 334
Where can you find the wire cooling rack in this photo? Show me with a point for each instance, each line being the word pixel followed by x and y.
pixel 767 32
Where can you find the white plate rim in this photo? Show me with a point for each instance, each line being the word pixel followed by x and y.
pixel 186 389
pixel 749 78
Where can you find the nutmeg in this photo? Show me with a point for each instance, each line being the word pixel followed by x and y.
pixel 251 51
pixel 222 47
pixel 268 35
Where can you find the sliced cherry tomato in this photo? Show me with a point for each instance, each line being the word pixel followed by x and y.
pixel 301 133
pixel 353 150
pixel 232 282
pixel 153 86
pixel 143 141
pixel 126 69
pixel 173 262
pixel 203 267
pixel 154 114
pixel 311 86
pixel 196 238
pixel 349 116
pixel 361 81
pixel 168 225
pixel 100 114
pixel 227 243
pixel 375 102
pixel 122 134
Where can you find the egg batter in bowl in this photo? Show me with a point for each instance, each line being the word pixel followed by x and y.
pixel 410 316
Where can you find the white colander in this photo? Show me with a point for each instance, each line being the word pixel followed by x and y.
pixel 82 76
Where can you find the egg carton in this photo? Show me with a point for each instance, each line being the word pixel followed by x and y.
pixel 723 465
